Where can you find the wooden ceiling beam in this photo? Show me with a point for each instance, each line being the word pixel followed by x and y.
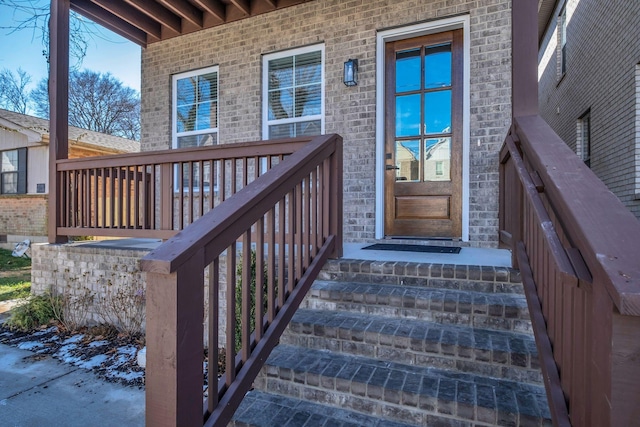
pixel 107 20
pixel 243 5
pixel 270 3
pixel 159 13
pixel 132 16
pixel 186 10
pixel 214 7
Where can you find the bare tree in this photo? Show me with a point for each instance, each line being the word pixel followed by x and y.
pixel 98 102
pixel 14 94
pixel 34 15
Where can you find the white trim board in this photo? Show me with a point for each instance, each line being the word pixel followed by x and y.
pixel 407 32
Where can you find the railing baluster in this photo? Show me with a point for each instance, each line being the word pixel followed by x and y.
pixel 212 182
pixel 299 213
pixel 306 229
pixel 230 368
pixel 259 278
pixel 223 180
pixel 245 172
pixel 271 264
pixel 95 211
pixel 313 222
pixel 245 326
pixel 281 251
pixel 180 180
pixel 190 202
pixel 121 198
pixel 234 176
pixel 137 176
pixel 86 199
pixel 201 188
pixel 291 262
pixel 214 321
pixel 326 197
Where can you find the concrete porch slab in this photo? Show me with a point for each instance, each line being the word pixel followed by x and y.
pixel 467 256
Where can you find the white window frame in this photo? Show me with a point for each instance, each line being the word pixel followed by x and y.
pixel 19 172
pixel 265 88
pixel 174 105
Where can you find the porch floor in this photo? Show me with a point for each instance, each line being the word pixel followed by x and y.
pixel 467 256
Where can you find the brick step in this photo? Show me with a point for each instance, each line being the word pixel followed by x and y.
pixel 412 394
pixel 259 409
pixel 480 309
pixel 499 354
pixel 443 276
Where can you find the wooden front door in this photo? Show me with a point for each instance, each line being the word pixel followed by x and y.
pixel 423 136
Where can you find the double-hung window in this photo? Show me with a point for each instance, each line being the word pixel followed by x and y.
pixel 563 40
pixel 195 118
pixel 195 108
pixel 293 93
pixel 13 171
pixel 584 138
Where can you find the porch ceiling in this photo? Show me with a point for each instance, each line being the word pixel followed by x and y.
pixel 148 21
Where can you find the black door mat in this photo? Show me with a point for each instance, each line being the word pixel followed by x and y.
pixel 414 248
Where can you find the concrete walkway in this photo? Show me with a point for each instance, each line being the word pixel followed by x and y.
pixel 47 392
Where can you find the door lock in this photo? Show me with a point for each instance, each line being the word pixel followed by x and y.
pixel 391 167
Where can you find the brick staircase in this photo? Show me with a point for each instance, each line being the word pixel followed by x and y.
pixel 404 344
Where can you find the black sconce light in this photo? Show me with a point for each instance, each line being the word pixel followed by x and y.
pixel 351 72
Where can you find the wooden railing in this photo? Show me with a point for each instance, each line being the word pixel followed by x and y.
pixel 290 218
pixel 156 194
pixel 578 249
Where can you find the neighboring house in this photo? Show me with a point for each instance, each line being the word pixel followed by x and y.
pixel 589 71
pixel 24 187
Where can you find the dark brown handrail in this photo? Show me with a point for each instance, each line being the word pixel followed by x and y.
pixel 292 217
pixel 155 194
pixel 566 229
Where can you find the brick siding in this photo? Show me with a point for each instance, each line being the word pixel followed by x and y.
pixel 23 217
pixel 603 52
pixel 348 30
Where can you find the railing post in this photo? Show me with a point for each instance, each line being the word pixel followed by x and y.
pixel 174 335
pixel 59 109
pixel 524 48
pixel 336 197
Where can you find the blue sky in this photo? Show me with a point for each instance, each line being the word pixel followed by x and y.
pixel 107 53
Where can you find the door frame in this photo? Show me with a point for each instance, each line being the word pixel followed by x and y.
pixel 425 28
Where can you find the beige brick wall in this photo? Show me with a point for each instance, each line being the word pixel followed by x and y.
pixel 603 52
pixel 74 268
pixel 348 30
pixel 23 217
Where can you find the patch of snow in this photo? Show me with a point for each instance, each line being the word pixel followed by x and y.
pixel 44 331
pixel 73 339
pixel 128 376
pixel 94 362
pixel 94 344
pixel 30 345
pixel 64 353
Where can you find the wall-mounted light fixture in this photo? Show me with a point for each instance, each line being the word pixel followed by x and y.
pixel 351 72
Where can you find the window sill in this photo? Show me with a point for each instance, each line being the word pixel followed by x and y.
pixel 24 196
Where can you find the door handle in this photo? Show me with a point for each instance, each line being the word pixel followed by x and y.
pixel 391 167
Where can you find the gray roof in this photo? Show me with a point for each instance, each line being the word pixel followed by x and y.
pixel 78 136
